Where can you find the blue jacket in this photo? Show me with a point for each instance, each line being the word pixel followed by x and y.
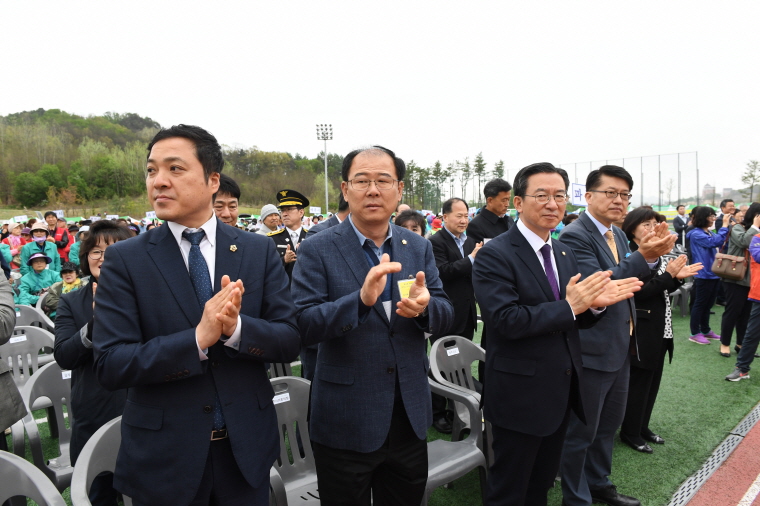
pixel 362 358
pixel 703 250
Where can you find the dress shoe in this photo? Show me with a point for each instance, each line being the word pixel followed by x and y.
pixel 609 495
pixel 442 425
pixel 654 438
pixel 643 448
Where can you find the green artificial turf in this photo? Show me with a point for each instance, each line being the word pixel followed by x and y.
pixel 695 411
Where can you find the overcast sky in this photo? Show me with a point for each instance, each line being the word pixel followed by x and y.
pixel 556 81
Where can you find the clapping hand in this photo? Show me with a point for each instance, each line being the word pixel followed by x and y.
pixel 374 283
pixel 657 242
pixel 419 298
pixel 617 290
pixel 679 270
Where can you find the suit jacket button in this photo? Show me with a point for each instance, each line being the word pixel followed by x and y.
pixel 391 370
pixel 207 409
pixel 568 372
pixel 185 372
pixel 215 363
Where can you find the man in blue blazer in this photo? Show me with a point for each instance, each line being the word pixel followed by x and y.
pixel 199 426
pixel 370 399
pixel 527 288
pixel 608 347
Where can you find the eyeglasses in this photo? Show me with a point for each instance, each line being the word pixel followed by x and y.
pixel 96 254
pixel 363 184
pixel 543 198
pixel 613 195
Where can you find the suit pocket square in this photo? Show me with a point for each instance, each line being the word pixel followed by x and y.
pixel 513 366
pixel 141 416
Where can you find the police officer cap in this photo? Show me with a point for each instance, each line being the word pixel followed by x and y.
pixel 291 198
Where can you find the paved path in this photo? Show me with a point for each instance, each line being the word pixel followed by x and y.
pixel 737 481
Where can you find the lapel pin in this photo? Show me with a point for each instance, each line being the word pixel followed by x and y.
pixel 563 253
pixel 403 241
pixel 233 248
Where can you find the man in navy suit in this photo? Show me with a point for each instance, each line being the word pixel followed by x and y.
pixel 609 346
pixel 527 287
pixel 370 399
pixel 189 344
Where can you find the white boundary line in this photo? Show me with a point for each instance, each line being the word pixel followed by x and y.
pixel 751 494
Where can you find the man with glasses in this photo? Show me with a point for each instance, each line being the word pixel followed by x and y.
pixel 289 238
pixel 370 399
pixel 608 346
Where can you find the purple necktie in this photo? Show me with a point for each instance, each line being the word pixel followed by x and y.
pixel 546 251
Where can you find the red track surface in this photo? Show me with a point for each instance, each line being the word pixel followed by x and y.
pixel 734 479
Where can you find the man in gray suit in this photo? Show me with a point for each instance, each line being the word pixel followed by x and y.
pixel 370 400
pixel 335 219
pixel 608 347
pixel 12 408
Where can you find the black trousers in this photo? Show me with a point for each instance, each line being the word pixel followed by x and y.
pixel 524 466
pixel 393 475
pixel 223 484
pixel 736 313
pixel 643 387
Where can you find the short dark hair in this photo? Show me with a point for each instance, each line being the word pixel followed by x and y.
pixel 227 186
pixel 108 230
pixel 723 203
pixel 521 179
pixel 52 213
pixel 397 162
pixel 749 216
pixel 446 207
pixel 594 177
pixel 638 216
pixel 570 218
pixel 496 186
pixel 342 204
pixel 410 215
pixel 207 149
pixel 679 206
pixel 700 215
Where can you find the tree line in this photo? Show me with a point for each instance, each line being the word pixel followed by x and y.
pixel 52 158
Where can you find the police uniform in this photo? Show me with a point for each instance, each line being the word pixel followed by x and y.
pixel 282 237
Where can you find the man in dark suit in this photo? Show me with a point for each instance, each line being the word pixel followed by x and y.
pixel 608 347
pixel 189 344
pixel 680 222
pixel 454 254
pixel 287 239
pixel 529 294
pixel 493 219
pixel 370 399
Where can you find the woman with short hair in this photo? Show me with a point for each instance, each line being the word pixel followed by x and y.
pixel 93 404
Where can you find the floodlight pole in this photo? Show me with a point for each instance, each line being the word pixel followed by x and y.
pixel 324 133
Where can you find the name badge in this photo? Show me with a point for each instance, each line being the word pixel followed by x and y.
pixel 66 374
pixel 280 398
pixel 404 286
pixel 452 351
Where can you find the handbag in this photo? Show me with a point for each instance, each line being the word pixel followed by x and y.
pixel 730 267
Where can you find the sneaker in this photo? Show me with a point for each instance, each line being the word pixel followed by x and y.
pixel 712 335
pixel 737 375
pixel 699 339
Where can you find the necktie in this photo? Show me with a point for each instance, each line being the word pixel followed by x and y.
pixel 201 280
pixel 546 252
pixel 610 237
pixel 611 243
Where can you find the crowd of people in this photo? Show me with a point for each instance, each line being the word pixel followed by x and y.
pixel 175 326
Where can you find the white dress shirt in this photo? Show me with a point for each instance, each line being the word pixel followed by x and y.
pixel 208 250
